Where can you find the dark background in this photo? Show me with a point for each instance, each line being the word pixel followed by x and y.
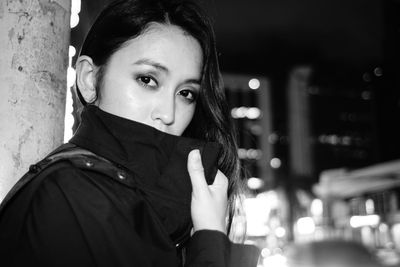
pixel 344 41
pixel 259 36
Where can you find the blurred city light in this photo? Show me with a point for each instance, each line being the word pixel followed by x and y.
pixel 378 71
pixel 257 213
pixel 249 242
pixel 316 208
pixel 255 183
pixel 275 163
pixel 254 84
pixel 68 119
pixel 71 51
pixel 273 138
pixel 75 9
pixel 366 77
pixel 75 6
pixel 250 113
pixel 241 112
pixel 253 153
pixel 305 226
pixel 395 230
pixel 270 197
pixel 366 95
pixel 277 260
pixel 249 154
pixel 265 252
pixel 383 227
pixel 74 20
pixel 367 220
pixel 71 74
pixel 369 206
pixel 280 232
pixel 253 113
pixel 71 77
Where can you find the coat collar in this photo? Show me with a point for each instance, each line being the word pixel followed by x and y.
pixel 157 160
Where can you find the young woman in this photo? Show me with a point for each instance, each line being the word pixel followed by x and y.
pixel 150 173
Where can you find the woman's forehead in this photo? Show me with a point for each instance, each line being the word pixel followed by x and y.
pixel 166 44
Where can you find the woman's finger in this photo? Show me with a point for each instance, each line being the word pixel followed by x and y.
pixel 196 172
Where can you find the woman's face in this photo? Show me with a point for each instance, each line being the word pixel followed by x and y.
pixel 154 79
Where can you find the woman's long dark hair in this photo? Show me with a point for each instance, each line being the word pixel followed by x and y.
pixel 124 20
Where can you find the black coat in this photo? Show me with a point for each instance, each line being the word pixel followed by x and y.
pixel 125 203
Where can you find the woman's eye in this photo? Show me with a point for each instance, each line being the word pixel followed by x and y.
pixel 147 81
pixel 188 95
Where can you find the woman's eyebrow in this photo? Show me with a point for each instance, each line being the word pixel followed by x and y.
pixel 192 81
pixel 146 61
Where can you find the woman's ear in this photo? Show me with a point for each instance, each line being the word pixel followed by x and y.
pixel 86 78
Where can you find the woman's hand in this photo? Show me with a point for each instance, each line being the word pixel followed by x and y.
pixel 209 202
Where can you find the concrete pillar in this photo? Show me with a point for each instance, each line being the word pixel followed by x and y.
pixel 34 40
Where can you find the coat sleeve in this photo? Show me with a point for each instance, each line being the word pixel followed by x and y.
pixel 208 248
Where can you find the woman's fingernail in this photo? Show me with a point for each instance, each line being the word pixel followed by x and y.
pixel 195 160
pixel 195 157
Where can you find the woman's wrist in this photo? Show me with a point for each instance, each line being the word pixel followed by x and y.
pixel 210 227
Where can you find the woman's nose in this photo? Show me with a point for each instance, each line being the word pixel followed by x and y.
pixel 164 110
